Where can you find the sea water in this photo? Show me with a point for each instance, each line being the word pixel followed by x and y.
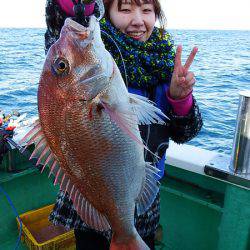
pixel 221 67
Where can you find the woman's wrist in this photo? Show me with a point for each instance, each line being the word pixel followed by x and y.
pixel 182 106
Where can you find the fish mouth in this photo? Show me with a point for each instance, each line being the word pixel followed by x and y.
pixel 77 27
pixel 70 23
pixel 79 32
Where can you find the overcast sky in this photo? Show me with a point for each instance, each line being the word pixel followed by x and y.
pixel 181 14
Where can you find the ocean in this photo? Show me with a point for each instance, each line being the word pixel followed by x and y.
pixel 222 69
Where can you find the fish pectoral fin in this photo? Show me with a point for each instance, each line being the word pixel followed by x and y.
pixel 145 110
pixel 125 119
pixel 149 189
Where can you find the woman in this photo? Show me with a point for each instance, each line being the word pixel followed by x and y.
pixel 152 70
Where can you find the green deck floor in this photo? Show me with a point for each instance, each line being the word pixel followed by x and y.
pixel 197 212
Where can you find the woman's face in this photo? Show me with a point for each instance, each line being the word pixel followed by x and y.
pixel 135 21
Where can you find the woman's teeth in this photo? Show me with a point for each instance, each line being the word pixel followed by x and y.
pixel 135 34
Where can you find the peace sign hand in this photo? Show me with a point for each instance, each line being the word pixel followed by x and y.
pixel 182 79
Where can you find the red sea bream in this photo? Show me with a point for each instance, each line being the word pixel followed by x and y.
pixel 88 135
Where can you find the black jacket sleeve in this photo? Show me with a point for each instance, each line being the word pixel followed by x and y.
pixel 184 128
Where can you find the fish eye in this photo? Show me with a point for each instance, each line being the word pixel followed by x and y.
pixel 60 67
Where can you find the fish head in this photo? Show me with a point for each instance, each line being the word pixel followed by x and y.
pixel 77 66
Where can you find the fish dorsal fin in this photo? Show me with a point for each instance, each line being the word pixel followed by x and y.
pixel 47 158
pixel 149 189
pixel 145 110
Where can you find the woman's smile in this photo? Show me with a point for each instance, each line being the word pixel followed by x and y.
pixel 136 34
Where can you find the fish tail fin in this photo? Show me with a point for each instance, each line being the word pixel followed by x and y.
pixel 133 243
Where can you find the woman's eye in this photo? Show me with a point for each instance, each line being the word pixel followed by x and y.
pixel 147 10
pixel 125 10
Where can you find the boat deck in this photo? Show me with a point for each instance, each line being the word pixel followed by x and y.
pixel 198 212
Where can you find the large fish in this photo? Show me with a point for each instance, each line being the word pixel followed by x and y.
pixel 88 135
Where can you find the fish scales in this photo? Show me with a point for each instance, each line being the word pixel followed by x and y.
pixel 97 150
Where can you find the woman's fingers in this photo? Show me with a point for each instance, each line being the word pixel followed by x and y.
pixel 182 87
pixel 186 81
pixel 190 58
pixel 179 70
pixel 182 80
pixel 177 61
pixel 189 76
pixel 189 84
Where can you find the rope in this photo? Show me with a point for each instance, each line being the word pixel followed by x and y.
pixel 16 214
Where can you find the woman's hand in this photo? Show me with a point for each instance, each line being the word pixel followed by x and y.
pixel 182 79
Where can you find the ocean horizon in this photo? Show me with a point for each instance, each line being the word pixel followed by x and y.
pixel 221 67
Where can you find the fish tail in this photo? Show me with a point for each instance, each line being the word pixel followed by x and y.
pixel 133 243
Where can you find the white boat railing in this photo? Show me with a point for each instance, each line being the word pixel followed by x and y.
pixel 234 168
